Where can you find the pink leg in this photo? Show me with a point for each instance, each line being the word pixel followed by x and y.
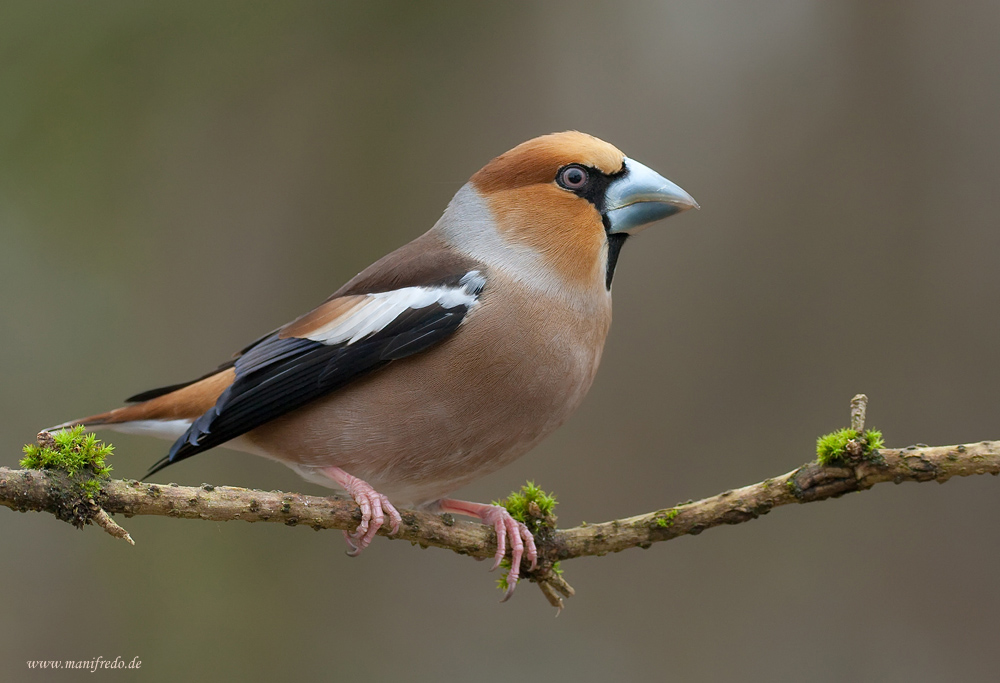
pixel 505 527
pixel 372 504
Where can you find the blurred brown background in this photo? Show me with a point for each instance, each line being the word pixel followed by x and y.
pixel 176 179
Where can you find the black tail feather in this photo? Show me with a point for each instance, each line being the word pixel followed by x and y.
pixel 157 466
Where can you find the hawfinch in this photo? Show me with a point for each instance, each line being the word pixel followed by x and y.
pixel 443 361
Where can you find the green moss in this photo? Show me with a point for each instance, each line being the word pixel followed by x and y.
pixel 505 570
pixel 71 451
pixel 505 565
pixel 832 448
pixel 667 519
pixel 518 504
pixel 90 487
pixel 534 508
pixel 874 439
pixel 80 455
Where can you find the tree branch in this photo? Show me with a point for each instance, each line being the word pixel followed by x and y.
pixel 54 492
pixel 49 491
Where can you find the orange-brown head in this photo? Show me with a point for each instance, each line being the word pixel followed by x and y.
pixel 536 161
pixel 565 202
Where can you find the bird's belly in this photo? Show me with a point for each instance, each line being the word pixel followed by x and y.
pixel 431 423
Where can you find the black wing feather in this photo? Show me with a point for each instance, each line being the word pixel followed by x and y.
pixel 276 376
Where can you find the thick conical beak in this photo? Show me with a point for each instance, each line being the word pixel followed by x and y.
pixel 642 196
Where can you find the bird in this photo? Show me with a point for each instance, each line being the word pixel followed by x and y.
pixel 443 361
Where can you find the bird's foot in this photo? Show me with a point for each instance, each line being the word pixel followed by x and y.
pixel 522 543
pixel 374 508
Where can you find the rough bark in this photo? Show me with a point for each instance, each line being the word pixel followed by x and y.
pixel 53 492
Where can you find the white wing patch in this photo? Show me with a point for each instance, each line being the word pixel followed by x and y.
pixel 376 311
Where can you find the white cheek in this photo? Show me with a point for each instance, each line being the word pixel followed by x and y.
pixel 469 227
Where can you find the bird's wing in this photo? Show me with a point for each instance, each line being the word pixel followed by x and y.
pixel 347 337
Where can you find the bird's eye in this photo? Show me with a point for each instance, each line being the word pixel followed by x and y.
pixel 572 177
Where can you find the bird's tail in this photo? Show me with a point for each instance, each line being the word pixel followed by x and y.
pixel 131 419
pixel 166 413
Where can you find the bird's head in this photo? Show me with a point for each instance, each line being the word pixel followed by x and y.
pixel 567 200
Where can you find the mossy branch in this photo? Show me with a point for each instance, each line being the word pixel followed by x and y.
pixel 56 492
pixel 46 491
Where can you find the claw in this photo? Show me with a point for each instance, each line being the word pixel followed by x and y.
pixel 374 507
pixel 353 551
pixel 522 543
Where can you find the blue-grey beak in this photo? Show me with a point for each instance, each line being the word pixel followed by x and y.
pixel 642 196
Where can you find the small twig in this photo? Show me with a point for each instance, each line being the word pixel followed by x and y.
pixel 859 406
pixel 103 520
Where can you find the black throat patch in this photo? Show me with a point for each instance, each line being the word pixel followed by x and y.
pixel 615 242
